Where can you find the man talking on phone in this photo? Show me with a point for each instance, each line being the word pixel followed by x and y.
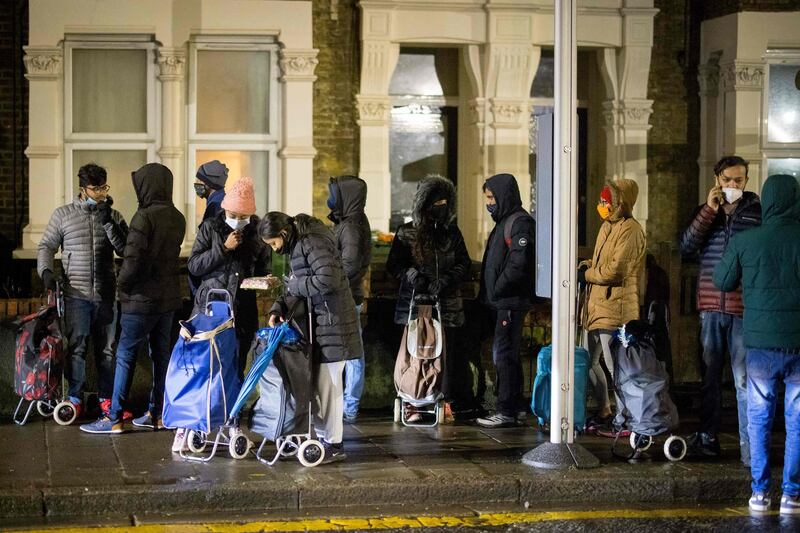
pixel 728 210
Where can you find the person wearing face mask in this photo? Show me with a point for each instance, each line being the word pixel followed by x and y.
pixel 88 231
pixel 227 250
pixel 429 257
pixel 727 211
pixel 508 289
pixel 210 185
pixel 348 196
pixel 614 276
pixel 316 274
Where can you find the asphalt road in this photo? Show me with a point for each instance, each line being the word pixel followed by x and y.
pixel 631 520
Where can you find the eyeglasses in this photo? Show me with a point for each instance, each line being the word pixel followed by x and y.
pixel 99 188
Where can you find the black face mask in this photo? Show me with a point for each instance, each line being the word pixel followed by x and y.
pixel 439 213
pixel 201 190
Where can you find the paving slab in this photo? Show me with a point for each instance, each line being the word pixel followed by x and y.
pixel 51 472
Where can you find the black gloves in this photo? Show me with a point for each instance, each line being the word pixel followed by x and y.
pixel 104 212
pixel 49 280
pixel 582 274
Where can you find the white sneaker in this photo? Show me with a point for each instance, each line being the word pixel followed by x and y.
pixel 179 442
pixel 760 502
pixel 790 504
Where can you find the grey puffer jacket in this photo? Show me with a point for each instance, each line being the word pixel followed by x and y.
pixel 317 274
pixel 87 249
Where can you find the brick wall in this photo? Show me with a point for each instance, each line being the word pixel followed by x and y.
pixel 335 128
pixel 673 142
pixel 13 127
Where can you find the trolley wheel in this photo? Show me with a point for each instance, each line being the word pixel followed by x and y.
pixel 640 442
pixel 65 413
pixel 398 410
pixel 311 453
pixel 291 447
pixel 196 441
pixel 675 448
pixel 440 412
pixel 239 447
pixel 45 408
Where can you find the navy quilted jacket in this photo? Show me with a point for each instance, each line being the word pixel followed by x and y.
pixel 709 234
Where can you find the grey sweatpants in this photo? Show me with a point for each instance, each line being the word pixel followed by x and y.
pixel 328 406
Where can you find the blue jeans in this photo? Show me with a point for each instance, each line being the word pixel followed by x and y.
pixel 84 320
pixel 721 334
pixel 354 377
pixel 136 329
pixel 764 369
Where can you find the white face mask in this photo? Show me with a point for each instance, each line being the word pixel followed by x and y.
pixel 732 194
pixel 236 224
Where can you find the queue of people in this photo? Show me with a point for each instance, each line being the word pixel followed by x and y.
pixel 748 294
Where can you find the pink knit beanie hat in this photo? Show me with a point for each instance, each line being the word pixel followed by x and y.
pixel 240 198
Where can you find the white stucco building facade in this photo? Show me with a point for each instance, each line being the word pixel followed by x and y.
pixel 500 43
pixel 172 81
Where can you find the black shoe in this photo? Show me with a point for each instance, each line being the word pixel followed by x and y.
pixel 333 453
pixel 704 446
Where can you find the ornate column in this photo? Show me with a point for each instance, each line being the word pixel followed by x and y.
pixel 627 110
pixel 379 57
pixel 708 78
pixel 741 82
pixel 171 74
pixel 510 71
pixel 44 70
pixel 295 191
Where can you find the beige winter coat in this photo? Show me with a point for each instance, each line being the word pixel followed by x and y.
pixel 616 271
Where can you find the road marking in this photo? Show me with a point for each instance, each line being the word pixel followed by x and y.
pixel 412 522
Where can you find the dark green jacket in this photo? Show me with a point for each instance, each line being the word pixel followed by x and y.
pixel 767 262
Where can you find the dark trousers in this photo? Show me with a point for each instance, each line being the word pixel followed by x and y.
pixel 85 320
pixel 457 382
pixel 137 329
pixel 505 354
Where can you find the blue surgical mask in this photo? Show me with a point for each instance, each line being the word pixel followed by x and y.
pixel 237 224
pixel 90 201
pixel 331 203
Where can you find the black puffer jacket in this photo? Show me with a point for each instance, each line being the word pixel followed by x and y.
pixel 352 231
pixel 316 273
pixel 149 281
pixel 219 268
pixel 448 260
pixel 508 269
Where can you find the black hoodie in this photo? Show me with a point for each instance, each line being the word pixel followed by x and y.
pixel 149 281
pixel 352 231
pixel 508 269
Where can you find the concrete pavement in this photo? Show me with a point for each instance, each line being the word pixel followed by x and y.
pixel 59 472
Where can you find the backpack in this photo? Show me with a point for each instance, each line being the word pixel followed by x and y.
pixel 508 225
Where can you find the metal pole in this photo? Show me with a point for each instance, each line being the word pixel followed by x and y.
pixel 560 452
pixel 564 223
